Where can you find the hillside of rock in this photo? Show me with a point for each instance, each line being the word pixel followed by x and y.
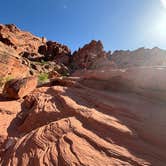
pixel 21 41
pixel 140 57
pixel 24 54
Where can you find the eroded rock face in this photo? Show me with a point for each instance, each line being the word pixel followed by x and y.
pixel 18 88
pixel 90 56
pixel 21 41
pixel 55 51
pixel 10 64
pixel 32 55
pixel 77 124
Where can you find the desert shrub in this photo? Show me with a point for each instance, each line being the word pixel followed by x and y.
pixel 44 62
pixel 43 77
pixel 41 63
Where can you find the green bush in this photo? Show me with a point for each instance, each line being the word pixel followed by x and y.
pixel 43 77
pixel 41 63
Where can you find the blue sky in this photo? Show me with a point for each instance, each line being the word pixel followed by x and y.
pixel 119 24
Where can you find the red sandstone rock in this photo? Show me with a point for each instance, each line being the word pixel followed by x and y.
pixel 88 56
pixel 8 111
pixel 102 117
pixel 10 64
pixel 28 45
pixel 21 41
pixel 147 81
pixel 19 88
pixel 85 125
pixel 55 51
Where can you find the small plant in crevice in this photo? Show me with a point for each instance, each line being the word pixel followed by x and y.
pixel 43 77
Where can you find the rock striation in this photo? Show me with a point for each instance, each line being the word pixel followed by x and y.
pixel 76 124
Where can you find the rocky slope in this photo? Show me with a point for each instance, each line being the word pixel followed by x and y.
pixel 110 111
pixel 21 41
pixel 36 54
pixel 139 57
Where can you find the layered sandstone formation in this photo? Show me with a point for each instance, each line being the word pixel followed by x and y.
pixel 81 124
pixel 8 112
pixel 146 81
pixel 110 111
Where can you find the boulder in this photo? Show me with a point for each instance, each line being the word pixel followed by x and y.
pixel 18 88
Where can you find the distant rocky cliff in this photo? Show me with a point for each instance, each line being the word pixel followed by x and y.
pixel 139 57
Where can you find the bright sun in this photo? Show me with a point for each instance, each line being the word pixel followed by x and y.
pixel 161 26
pixel 163 3
pixel 158 27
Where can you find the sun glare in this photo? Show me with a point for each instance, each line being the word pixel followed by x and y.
pixel 163 3
pixel 160 27
pixel 158 33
